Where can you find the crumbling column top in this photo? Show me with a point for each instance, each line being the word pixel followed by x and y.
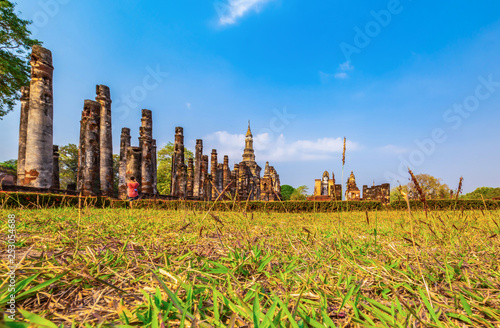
pixel 102 91
pixel 41 55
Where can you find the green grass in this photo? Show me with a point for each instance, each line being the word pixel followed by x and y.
pixel 150 268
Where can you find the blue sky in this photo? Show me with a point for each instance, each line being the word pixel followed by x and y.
pixel 406 82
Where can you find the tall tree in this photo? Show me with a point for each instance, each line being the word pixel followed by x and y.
pixel 164 176
pixel 15 45
pixel 68 165
pixel 300 193
pixel 10 165
pixel 431 186
pixel 287 191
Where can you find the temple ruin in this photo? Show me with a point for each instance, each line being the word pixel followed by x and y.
pixel 352 191
pixel 138 162
pixel 270 187
pixel 201 178
pixel 203 181
pixel 381 193
pixel 326 189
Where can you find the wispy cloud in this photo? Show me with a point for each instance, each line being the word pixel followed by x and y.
pixel 343 68
pixel 229 12
pixel 277 149
pixel 340 75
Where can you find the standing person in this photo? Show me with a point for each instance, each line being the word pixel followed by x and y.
pixel 132 192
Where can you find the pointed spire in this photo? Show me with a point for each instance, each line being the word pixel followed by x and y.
pixel 249 133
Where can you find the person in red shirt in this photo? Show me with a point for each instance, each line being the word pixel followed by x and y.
pixel 132 187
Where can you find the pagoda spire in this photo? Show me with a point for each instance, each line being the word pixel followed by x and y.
pixel 249 132
pixel 248 154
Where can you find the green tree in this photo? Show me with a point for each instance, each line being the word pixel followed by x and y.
pixel 164 175
pixel 15 45
pixel 300 193
pixel 10 165
pixel 431 186
pixel 286 192
pixel 68 165
pixel 485 192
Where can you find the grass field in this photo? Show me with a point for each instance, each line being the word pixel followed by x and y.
pixel 150 268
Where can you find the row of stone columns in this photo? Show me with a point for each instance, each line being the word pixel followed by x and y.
pixel 95 159
pixel 194 179
pixel 138 162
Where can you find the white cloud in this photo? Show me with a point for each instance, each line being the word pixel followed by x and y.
pixel 341 75
pixel 276 149
pixel 393 149
pixel 229 12
pixel 343 68
pixel 346 66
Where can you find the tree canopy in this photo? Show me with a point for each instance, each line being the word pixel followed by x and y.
pixel 10 165
pixel 286 192
pixel 68 165
pixel 15 45
pixel 164 175
pixel 431 186
pixel 300 193
pixel 485 192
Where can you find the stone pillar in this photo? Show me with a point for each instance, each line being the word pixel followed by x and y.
pixel 242 182
pixel 197 183
pixel 155 168
pixel 106 140
pixel 219 181
pixel 226 178
pixel 39 138
pixel 146 144
pixel 179 168
pixel 190 178
pixel 134 159
pixel 89 159
pixel 234 177
pixel 213 172
pixel 204 173
pixel 122 172
pixel 23 132
pixel 55 172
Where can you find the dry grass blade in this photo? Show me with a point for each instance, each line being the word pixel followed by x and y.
pixel 459 190
pixel 343 152
pixel 421 193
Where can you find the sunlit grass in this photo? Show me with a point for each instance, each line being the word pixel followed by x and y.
pixel 152 268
